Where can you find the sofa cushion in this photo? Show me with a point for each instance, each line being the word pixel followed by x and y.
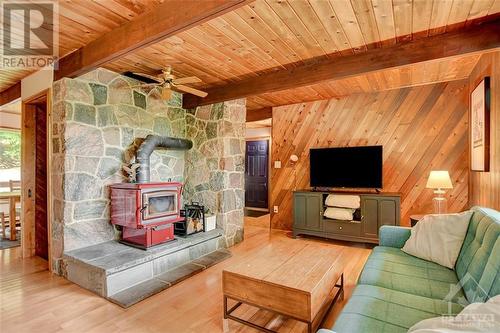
pixel 391 268
pixel 478 263
pixel 376 309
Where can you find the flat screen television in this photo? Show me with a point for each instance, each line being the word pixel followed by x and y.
pixel 351 167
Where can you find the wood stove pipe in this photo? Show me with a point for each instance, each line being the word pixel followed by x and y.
pixel 149 145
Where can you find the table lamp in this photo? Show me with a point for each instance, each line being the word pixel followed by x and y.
pixel 439 180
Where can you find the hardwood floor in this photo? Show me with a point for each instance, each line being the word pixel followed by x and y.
pixel 32 299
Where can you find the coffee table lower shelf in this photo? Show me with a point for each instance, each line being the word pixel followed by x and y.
pixel 239 302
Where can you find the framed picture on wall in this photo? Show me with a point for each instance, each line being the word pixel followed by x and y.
pixel 480 126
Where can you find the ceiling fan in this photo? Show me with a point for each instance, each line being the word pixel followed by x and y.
pixel 165 82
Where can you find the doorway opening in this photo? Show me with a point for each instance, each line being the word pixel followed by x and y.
pixel 10 175
pixel 35 164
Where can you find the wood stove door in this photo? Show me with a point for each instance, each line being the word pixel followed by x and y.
pixel 158 204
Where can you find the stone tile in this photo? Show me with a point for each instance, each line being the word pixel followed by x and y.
pixel 97 251
pixel 105 75
pixel 171 260
pixel 114 152
pixel 213 258
pixel 180 273
pixel 119 92
pixel 137 293
pixel 86 233
pixel 123 260
pixel 111 136
pixel 108 167
pixel 125 279
pixel 81 186
pixel 89 209
pixel 85 114
pixel 86 164
pixel 203 248
pixel 127 115
pixel 83 140
pixel 127 136
pixel 139 100
pixel 88 277
pixel 106 116
pixel 175 113
pixel 161 126
pixel 100 93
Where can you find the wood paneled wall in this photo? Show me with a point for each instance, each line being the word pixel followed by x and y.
pixel 421 128
pixel 485 186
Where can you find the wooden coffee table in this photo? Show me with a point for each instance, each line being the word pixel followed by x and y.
pixel 299 282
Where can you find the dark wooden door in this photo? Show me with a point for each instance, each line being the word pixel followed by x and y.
pixel 256 173
pixel 41 228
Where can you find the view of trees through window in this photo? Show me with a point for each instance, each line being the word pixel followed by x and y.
pixel 10 149
pixel 10 155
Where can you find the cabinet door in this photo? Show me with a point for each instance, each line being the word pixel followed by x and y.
pixel 299 210
pixel 369 222
pixel 314 212
pixel 389 211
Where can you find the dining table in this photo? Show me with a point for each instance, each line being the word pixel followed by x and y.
pixel 13 197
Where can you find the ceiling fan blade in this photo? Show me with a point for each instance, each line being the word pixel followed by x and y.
pixel 190 90
pixel 151 77
pixel 166 93
pixel 185 80
pixel 146 85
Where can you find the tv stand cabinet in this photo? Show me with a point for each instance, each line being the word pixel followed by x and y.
pixel 377 209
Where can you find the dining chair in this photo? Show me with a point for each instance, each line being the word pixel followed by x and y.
pixel 15 185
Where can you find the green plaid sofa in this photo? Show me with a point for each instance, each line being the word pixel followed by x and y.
pixel 396 290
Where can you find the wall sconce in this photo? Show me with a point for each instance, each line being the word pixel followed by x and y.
pixel 293 160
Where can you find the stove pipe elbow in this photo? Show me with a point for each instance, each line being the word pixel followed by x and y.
pixel 149 145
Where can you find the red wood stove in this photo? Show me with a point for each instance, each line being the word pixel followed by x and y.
pixel 146 211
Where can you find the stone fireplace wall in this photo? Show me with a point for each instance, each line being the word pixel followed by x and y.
pixel 215 165
pixel 98 122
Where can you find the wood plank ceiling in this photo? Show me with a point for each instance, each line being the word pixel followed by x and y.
pixel 269 35
pixel 82 21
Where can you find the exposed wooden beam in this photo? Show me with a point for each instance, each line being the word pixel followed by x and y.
pixel 167 19
pixel 472 40
pixel 10 94
pixel 259 114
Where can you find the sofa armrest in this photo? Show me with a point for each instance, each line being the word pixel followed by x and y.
pixel 393 236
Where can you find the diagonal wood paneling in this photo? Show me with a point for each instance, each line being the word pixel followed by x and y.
pixel 485 186
pixel 421 128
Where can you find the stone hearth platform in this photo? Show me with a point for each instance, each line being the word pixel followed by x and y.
pixel 126 275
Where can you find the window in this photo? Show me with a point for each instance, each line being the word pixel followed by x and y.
pixel 10 156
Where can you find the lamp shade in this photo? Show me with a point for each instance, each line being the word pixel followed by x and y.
pixel 439 179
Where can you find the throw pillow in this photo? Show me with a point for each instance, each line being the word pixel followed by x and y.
pixel 438 237
pixel 475 317
pixel 343 200
pixel 345 214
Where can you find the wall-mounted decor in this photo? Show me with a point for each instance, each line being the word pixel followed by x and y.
pixel 480 126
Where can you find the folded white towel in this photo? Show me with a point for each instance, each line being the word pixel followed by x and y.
pixel 345 214
pixel 343 200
